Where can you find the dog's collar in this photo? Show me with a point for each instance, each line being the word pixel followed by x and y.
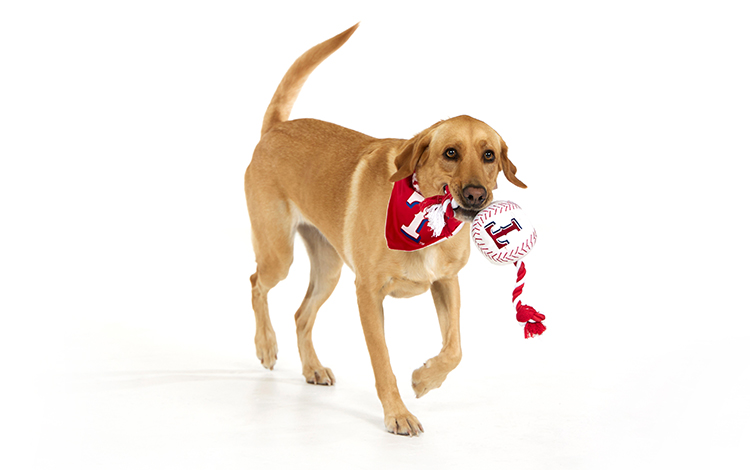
pixel 414 222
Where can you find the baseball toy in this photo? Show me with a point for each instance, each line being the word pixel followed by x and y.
pixel 503 234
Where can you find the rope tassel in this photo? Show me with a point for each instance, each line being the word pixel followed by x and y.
pixel 525 314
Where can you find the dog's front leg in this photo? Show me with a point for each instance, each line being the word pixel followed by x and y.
pixel 431 375
pixel 398 420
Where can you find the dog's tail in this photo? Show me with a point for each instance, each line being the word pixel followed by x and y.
pixel 286 94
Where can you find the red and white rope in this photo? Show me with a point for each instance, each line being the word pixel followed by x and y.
pixel 526 315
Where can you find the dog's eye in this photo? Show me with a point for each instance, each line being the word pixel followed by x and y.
pixel 489 156
pixel 451 153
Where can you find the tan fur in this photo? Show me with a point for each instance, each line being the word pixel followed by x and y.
pixel 322 181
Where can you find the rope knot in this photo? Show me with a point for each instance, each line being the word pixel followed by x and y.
pixel 526 313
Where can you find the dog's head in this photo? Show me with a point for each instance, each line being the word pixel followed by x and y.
pixel 462 153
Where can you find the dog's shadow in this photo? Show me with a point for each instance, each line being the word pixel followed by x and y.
pixel 257 394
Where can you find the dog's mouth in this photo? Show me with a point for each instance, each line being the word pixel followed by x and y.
pixel 464 215
pixel 466 212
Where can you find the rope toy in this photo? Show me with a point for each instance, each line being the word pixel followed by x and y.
pixel 503 234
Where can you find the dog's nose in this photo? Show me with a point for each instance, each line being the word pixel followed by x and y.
pixel 475 195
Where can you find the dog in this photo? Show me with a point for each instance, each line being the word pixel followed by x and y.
pixel 332 186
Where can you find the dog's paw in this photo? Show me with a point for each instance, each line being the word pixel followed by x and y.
pixel 266 349
pixel 403 424
pixel 428 377
pixel 319 376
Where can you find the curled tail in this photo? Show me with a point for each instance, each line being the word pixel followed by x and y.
pixel 288 90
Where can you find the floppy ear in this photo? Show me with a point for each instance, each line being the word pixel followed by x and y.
pixel 409 154
pixel 507 166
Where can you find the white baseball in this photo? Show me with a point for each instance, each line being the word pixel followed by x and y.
pixel 502 232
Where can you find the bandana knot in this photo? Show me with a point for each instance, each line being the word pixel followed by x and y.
pixel 437 210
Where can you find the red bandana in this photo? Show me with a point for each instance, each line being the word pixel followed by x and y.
pixel 414 222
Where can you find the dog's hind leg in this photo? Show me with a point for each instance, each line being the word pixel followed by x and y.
pixel 325 270
pixel 273 243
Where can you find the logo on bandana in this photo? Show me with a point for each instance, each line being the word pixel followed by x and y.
pixel 407 226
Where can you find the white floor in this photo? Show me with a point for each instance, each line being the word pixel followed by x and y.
pixel 593 392
pixel 127 331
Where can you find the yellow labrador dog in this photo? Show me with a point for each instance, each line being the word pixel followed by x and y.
pixel 332 185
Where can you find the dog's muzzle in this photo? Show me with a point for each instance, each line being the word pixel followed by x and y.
pixel 472 200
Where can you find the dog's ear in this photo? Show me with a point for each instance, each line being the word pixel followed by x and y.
pixel 507 166
pixel 409 154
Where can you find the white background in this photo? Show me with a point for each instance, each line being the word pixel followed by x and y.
pixel 127 331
